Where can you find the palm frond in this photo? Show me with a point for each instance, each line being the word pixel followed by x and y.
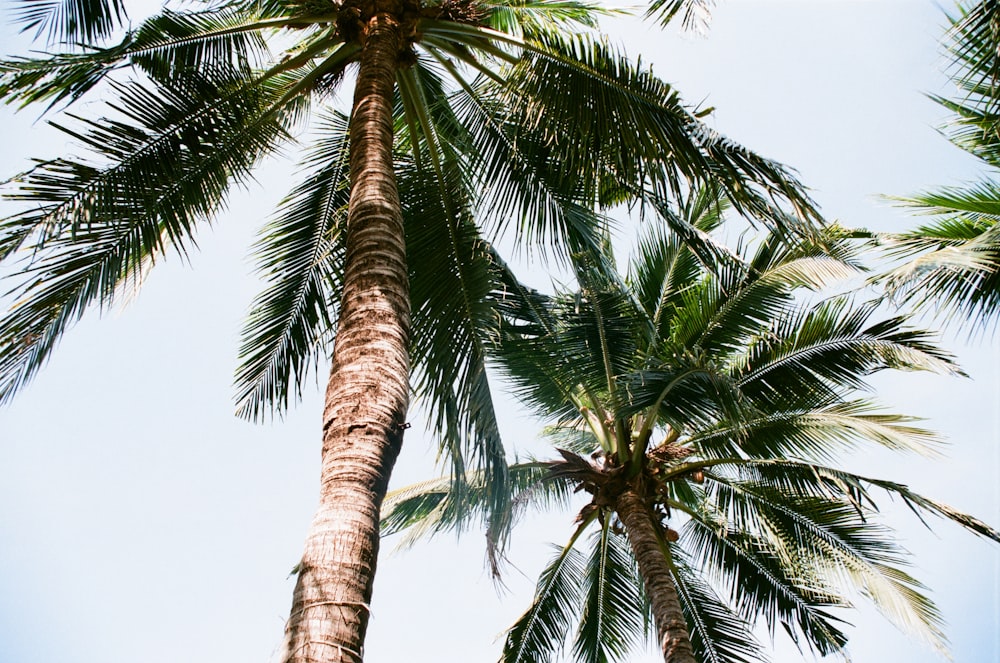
pixel 531 17
pixel 830 349
pixel 291 323
pixel 671 257
pixel 729 309
pixel 630 123
pixel 613 613
pixel 542 629
pixel 71 21
pixel 808 479
pixel 94 227
pixel 838 542
pixel 954 263
pixel 695 14
pixel 819 434
pixel 764 585
pixel 432 507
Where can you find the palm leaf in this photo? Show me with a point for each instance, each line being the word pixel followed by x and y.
pixel 613 613
pixel 96 227
pixel 836 541
pixel 717 634
pixel 71 21
pixel 291 323
pixel 541 630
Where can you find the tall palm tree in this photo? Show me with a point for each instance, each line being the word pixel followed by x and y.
pixel 485 97
pixel 703 408
pixel 955 260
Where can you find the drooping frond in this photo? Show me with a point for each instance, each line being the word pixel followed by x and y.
pixel 300 252
pixel 954 263
pixel 695 14
pixel 718 635
pixel 634 128
pixel 164 46
pixel 522 187
pixel 835 540
pixel 541 631
pixel 71 21
pixel 762 584
pixel 613 616
pixel 431 507
pixel 167 157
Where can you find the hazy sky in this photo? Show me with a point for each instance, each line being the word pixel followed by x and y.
pixel 141 522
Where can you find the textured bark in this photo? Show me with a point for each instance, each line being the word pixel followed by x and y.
pixel 368 391
pixel 642 533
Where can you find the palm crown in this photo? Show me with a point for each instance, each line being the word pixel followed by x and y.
pixel 703 411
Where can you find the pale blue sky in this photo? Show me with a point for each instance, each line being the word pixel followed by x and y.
pixel 140 521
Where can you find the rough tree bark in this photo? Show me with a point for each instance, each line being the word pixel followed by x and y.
pixel 368 391
pixel 675 641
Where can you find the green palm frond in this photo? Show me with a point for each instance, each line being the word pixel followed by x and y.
pixel 729 310
pixel 687 391
pixel 820 434
pixel 164 46
pixel 97 225
pixel 613 618
pixel 453 276
pixel 428 508
pixel 718 635
pixel 539 633
pixel 971 42
pixel 532 17
pixel 71 21
pixel 670 257
pixel 827 350
pixel 837 542
pixel 522 185
pixel 954 262
pixel 631 122
pixel 576 439
pixel 695 14
pixel 290 323
pixel 807 479
pixel 761 584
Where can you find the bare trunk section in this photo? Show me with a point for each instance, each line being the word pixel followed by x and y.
pixel 368 392
pixel 675 641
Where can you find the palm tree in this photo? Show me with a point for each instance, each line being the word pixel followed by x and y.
pixel 216 88
pixel 703 409
pixel 955 262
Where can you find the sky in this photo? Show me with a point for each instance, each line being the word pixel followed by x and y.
pixel 141 521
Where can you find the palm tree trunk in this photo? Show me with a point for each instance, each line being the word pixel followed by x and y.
pixel 368 391
pixel 643 536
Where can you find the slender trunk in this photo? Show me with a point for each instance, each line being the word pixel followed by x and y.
pixel 646 542
pixel 367 395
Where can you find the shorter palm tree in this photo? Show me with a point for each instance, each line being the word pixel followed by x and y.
pixel 703 409
pixel 956 259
